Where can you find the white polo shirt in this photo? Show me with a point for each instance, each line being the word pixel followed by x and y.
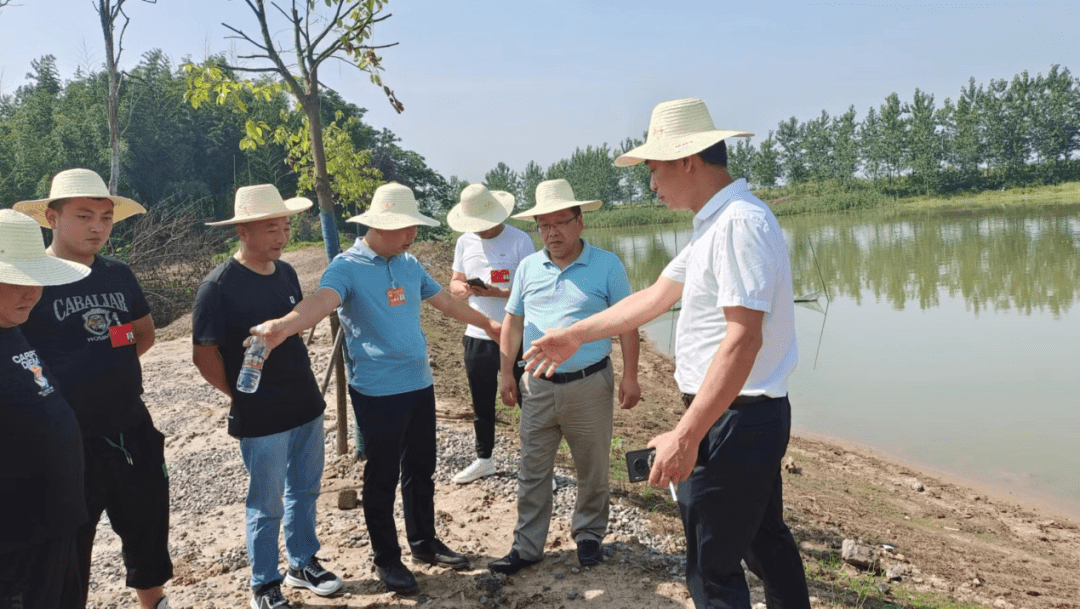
pixel 736 257
pixel 493 261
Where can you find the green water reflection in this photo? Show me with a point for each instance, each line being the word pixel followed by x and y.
pixel 1018 259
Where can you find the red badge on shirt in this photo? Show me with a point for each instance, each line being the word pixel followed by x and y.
pixel 122 336
pixel 395 296
pixel 500 275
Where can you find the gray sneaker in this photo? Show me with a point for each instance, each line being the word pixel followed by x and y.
pixel 269 596
pixel 314 577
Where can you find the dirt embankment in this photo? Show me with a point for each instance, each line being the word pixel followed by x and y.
pixel 946 540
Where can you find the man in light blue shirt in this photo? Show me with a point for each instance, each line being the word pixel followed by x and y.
pixel 377 288
pixel 566 281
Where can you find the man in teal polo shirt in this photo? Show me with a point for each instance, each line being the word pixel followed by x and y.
pixel 377 288
pixel 566 281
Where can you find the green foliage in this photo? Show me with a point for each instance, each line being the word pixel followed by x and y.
pixel 353 178
pixel 503 178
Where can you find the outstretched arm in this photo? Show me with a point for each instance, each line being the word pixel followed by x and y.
pixel 556 346
pixel 461 311
pixel 309 312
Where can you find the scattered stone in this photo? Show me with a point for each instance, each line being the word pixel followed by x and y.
pixel 559 575
pixel 857 555
pixel 572 594
pixel 895 573
pixel 917 486
pixel 346 500
pixel 883 588
pixel 491 582
pixel 789 465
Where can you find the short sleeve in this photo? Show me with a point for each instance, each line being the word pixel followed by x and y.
pixel 618 282
pixel 336 278
pixel 207 324
pixel 514 304
pixel 458 266
pixel 676 269
pixel 741 261
pixel 428 286
pixel 140 307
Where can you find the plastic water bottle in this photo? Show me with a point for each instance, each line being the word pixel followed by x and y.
pixel 251 372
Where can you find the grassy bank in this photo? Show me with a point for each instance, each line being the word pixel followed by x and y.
pixel 827 198
pixel 815 198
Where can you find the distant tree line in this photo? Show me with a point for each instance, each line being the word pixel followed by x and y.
pixel 1019 132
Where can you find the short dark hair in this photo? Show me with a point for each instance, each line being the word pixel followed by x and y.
pixel 715 154
pixel 58 204
pixel 577 210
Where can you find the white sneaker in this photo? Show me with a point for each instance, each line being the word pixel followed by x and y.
pixel 478 469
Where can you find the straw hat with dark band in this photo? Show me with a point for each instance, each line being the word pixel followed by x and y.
pixel 73 183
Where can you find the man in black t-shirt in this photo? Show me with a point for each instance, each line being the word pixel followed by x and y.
pixel 280 425
pixel 40 444
pixel 92 333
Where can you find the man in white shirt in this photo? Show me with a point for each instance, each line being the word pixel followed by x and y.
pixel 735 348
pixel 485 259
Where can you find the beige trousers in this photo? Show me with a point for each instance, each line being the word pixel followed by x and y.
pixel 580 411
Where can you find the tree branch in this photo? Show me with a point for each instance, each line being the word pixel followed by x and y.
pixel 242 36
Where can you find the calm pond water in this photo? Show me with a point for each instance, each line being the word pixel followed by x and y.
pixel 948 339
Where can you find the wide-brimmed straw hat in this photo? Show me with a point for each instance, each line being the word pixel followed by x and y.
pixel 262 202
pixel 72 183
pixel 393 206
pixel 677 129
pixel 23 260
pixel 480 209
pixel 555 195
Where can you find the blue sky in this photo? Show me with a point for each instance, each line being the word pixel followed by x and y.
pixel 490 81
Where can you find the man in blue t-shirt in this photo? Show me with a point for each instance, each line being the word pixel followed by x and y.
pixel 280 424
pixel 377 288
pixel 566 281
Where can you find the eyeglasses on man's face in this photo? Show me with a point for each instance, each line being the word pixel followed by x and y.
pixel 545 228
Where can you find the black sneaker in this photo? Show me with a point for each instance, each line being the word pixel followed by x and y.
pixel 314 577
pixel 269 596
pixel 588 553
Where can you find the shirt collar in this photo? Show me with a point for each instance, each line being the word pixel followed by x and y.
pixel 583 258
pixel 360 252
pixel 736 190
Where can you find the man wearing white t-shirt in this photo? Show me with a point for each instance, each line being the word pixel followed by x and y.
pixel 735 349
pixel 485 259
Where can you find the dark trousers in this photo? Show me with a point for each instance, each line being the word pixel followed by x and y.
pixel 42 576
pixel 399 436
pixel 127 479
pixel 732 509
pixel 482 362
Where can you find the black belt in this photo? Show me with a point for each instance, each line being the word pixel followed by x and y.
pixel 566 377
pixel 687 398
